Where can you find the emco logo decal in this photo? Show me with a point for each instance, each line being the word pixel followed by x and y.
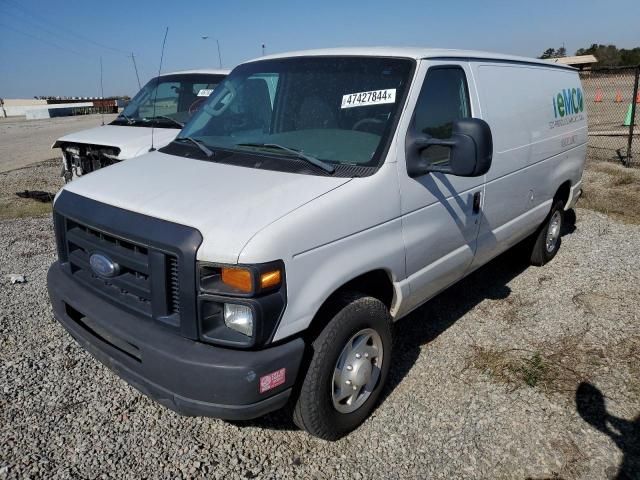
pixel 568 106
pixel 568 102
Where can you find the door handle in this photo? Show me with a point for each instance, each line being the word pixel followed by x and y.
pixel 476 202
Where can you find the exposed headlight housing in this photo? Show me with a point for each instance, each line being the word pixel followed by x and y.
pixel 240 305
pixel 239 318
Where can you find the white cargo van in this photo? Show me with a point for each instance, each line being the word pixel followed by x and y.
pixel 261 258
pixel 165 103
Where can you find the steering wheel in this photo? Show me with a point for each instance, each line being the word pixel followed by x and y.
pixel 366 121
pixel 195 106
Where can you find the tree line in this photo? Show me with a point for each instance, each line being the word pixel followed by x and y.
pixel 607 55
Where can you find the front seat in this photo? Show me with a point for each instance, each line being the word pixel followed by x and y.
pixel 315 113
pixel 257 104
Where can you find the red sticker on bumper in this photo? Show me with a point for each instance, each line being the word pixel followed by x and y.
pixel 272 380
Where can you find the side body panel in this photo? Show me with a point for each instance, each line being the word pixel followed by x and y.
pixel 539 126
pixel 438 222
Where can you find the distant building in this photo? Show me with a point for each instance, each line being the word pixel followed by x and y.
pixel 582 62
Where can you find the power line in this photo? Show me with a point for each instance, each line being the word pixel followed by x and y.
pixel 48 42
pixel 42 21
pixel 24 10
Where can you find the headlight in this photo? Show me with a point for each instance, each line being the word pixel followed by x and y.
pixel 239 318
pixel 240 305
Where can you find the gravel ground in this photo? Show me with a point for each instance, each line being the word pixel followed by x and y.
pixel 498 377
pixel 26 142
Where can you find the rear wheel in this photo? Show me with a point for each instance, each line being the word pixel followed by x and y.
pixel 547 239
pixel 348 368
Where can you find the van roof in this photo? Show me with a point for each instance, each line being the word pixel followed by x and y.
pixel 205 70
pixel 412 52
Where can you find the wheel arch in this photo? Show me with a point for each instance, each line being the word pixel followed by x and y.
pixel 563 192
pixel 376 283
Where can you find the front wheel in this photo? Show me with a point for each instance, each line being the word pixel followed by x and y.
pixel 348 368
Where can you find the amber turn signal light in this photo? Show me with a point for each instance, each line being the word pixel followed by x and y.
pixel 238 278
pixel 270 279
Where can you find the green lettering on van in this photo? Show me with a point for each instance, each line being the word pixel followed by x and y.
pixel 580 100
pixel 569 101
pixel 560 101
pixel 568 104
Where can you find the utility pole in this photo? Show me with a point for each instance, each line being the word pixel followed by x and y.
pixel 205 37
pixel 219 56
pixel 133 59
pixel 101 93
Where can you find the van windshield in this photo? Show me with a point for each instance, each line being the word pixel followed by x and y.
pixel 337 110
pixel 169 100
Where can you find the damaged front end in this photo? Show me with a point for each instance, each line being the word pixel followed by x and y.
pixel 79 159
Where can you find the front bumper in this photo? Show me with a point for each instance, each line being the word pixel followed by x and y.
pixel 184 375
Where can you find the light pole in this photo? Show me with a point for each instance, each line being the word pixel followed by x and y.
pixel 205 37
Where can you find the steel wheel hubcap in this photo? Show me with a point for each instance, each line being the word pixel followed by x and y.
pixel 357 371
pixel 553 232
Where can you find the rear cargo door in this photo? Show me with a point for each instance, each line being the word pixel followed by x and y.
pixel 535 139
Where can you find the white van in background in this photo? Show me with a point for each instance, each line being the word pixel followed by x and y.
pixel 165 103
pixel 262 256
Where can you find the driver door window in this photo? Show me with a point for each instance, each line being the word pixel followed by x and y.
pixel 443 99
pixel 165 97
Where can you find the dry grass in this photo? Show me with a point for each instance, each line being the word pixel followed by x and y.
pixel 558 367
pixel 612 189
pixel 43 176
pixel 21 208
pixel 550 372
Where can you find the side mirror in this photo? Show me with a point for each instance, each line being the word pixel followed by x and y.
pixel 467 153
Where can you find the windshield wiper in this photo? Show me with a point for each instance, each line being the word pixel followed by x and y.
pixel 180 124
pixel 197 143
pixel 301 155
pixel 129 120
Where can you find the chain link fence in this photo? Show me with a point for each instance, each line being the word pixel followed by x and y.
pixel 613 107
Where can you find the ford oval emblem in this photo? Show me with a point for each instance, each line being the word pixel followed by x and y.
pixel 103 265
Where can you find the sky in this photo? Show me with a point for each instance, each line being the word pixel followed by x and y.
pixel 54 47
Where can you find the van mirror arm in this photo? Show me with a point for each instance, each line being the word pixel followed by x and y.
pixel 425 142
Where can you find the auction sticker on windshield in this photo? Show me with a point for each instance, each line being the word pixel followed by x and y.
pixel 205 92
pixel 374 97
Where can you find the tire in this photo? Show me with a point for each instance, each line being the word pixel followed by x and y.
pixel 349 315
pixel 547 239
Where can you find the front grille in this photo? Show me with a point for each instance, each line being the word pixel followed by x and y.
pixel 174 284
pixel 157 258
pixel 147 279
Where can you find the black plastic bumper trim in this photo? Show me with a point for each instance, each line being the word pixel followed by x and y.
pixel 187 376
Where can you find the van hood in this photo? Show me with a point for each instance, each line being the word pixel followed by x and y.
pixel 226 203
pixel 131 141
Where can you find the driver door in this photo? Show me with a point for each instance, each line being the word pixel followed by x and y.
pixel 440 212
